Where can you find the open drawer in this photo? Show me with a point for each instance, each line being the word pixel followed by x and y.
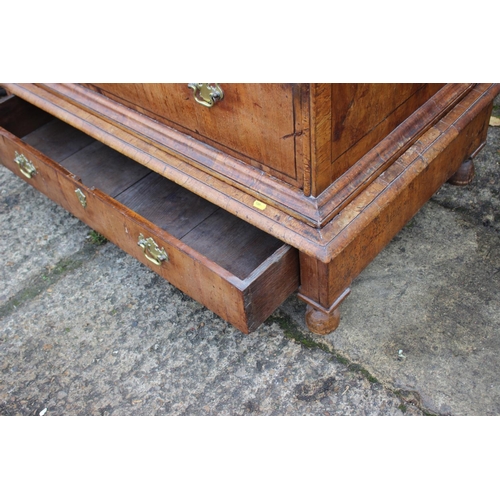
pixel 233 268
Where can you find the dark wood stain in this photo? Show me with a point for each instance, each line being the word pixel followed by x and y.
pixel 57 140
pixel 104 168
pixel 167 204
pixel 234 244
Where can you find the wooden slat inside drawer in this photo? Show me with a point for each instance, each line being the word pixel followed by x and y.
pixel 166 204
pixel 234 244
pixel 57 140
pixel 96 164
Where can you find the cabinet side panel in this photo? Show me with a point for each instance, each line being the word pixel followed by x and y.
pixel 361 115
pixel 358 108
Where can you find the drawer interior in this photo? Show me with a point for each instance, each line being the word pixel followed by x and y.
pixel 225 239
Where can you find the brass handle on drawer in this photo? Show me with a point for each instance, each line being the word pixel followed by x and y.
pixel 81 197
pixel 25 166
pixel 151 250
pixel 206 94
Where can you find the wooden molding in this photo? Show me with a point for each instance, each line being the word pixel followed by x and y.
pixel 320 227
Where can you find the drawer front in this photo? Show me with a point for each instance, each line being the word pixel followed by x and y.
pixel 245 303
pixel 256 123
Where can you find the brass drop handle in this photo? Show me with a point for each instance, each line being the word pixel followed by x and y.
pixel 206 94
pixel 25 166
pixel 151 250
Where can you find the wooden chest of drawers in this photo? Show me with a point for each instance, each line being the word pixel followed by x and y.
pixel 241 193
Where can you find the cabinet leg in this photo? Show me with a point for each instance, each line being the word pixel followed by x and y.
pixel 323 290
pixel 464 174
pixel 320 321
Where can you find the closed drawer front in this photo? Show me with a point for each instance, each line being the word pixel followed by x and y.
pixel 236 270
pixel 255 123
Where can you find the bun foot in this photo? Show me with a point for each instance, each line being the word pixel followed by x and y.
pixel 463 175
pixel 321 322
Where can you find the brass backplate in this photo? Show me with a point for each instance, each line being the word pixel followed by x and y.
pixel 206 94
pixel 152 251
pixel 25 166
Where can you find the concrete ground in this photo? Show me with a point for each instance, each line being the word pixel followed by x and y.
pixel 87 330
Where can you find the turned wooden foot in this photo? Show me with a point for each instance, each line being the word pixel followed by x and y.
pixel 322 322
pixel 463 175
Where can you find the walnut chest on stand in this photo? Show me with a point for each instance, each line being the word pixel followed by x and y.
pixel 241 194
